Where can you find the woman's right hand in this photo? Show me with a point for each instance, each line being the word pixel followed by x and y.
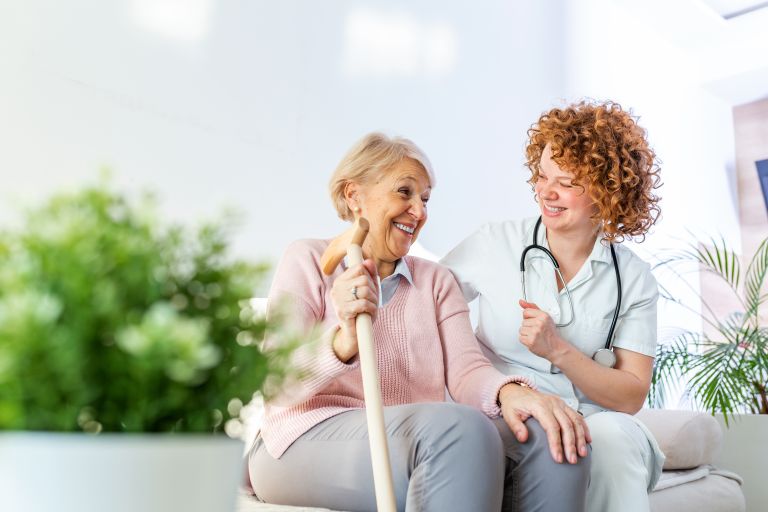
pixel 567 431
pixel 362 279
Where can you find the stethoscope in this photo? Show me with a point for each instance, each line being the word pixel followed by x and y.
pixel 605 355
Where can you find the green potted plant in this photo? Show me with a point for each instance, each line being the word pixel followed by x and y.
pixel 115 324
pixel 725 367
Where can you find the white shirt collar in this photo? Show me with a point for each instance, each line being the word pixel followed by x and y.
pixel 401 269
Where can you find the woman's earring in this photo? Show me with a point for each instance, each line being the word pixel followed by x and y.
pixel 356 209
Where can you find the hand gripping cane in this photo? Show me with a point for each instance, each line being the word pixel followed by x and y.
pixel 352 240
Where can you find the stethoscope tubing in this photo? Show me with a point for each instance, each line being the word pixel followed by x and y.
pixel 535 246
pixel 557 270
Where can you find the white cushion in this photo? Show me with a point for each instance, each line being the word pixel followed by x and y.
pixel 688 439
pixel 713 493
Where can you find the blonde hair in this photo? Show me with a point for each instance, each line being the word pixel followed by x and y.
pixel 372 156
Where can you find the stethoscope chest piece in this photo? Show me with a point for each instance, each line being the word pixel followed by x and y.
pixel 605 357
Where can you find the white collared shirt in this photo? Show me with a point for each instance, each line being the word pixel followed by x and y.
pixel 389 284
pixel 487 267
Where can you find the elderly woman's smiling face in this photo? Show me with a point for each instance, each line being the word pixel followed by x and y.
pixel 395 205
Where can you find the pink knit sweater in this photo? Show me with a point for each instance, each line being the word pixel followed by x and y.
pixel 424 344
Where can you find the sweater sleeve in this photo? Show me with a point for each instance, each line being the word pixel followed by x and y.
pixel 471 379
pixel 297 296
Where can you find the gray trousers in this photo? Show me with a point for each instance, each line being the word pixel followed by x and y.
pixel 444 456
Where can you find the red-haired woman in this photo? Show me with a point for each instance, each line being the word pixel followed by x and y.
pixel 564 303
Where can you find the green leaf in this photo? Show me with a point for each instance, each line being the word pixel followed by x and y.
pixel 755 279
pixel 719 260
pixel 726 370
pixel 113 320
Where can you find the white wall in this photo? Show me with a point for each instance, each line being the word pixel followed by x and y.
pixel 250 104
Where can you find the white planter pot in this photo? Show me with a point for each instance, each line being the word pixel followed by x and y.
pixel 745 452
pixel 48 472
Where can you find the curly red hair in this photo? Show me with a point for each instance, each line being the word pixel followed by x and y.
pixel 609 156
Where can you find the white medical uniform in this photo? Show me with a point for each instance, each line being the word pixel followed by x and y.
pixel 626 460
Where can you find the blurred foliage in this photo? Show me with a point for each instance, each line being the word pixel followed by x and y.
pixel 726 367
pixel 111 320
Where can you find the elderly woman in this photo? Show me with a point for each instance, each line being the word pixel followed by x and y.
pixel 584 334
pixel 313 448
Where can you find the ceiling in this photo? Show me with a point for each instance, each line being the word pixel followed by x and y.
pixel 725 40
pixel 730 9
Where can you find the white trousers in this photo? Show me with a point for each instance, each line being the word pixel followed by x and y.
pixel 626 463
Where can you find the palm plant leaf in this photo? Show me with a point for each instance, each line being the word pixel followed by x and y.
pixel 718 382
pixel 757 367
pixel 715 258
pixel 671 360
pixel 755 278
pixel 718 259
pixel 727 368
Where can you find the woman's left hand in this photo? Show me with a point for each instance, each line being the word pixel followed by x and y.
pixel 538 332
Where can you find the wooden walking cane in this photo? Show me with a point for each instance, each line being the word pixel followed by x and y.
pixel 351 242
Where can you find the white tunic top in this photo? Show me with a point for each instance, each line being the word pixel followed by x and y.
pixel 487 267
